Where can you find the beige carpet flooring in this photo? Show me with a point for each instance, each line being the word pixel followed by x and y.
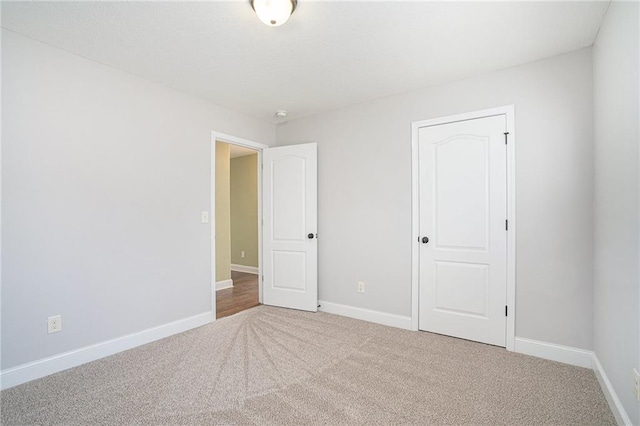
pixel 270 366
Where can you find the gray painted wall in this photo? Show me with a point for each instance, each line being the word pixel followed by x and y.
pixel 364 176
pixel 616 118
pixel 104 176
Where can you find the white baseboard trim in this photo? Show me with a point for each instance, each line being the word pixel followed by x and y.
pixel 610 394
pixel 34 370
pixel 553 352
pixel 247 269
pixel 221 285
pixel 378 317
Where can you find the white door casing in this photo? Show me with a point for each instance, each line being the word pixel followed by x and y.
pixel 463 211
pixel 290 247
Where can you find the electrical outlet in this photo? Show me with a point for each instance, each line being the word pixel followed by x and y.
pixel 636 384
pixel 360 286
pixel 54 324
pixel 242 254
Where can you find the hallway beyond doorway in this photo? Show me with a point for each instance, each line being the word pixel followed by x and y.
pixel 243 295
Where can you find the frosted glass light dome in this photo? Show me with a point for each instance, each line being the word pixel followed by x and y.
pixel 274 12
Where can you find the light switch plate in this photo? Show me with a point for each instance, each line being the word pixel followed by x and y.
pixel 205 217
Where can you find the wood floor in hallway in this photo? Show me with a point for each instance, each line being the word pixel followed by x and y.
pixel 243 295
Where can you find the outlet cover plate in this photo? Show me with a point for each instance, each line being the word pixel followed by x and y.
pixel 54 324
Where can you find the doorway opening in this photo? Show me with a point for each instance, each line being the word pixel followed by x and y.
pixel 236 229
pixel 288 234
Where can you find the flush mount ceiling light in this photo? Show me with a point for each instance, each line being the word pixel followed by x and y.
pixel 281 113
pixel 274 12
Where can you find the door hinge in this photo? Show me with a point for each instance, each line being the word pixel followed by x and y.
pixel 263 278
pixel 505 137
pixel 506 310
pixel 506 224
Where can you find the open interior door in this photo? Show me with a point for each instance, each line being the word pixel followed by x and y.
pixel 289 232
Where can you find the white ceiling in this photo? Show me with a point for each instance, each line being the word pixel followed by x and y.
pixel 330 54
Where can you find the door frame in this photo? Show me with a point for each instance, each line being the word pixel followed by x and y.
pixel 508 112
pixel 258 147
